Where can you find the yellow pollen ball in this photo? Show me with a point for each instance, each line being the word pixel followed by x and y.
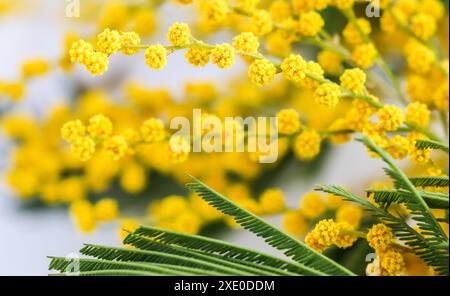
pixel 354 80
pixel 393 263
pixel 179 34
pixel 261 72
pixel 197 57
pixel 72 130
pixel 418 114
pixel 352 34
pixel 152 131
pixel 247 42
pixel 424 26
pixel 364 55
pixel 390 117
pixel 100 126
pixel 261 22
pixel 309 24
pixel 380 237
pixel 288 122
pixel 156 56
pixel 327 94
pixel 323 235
pixel 293 68
pixel 272 201
pixel 223 56
pixel 115 147
pixel 83 148
pixel 130 39
pixel 312 205
pixel 307 145
pixel 109 41
pixel 106 209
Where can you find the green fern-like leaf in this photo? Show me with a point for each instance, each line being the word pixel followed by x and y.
pixel 430 144
pixel 241 266
pixel 433 251
pixel 430 181
pixel 386 197
pixel 420 211
pixel 291 247
pixel 62 264
pixel 227 250
pixel 167 256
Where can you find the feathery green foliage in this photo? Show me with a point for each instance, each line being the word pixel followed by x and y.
pixel 430 144
pixel 299 252
pixel 430 241
pixel 430 181
pixel 386 197
pixel 163 252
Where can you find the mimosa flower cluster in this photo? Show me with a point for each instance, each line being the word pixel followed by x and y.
pixel 325 82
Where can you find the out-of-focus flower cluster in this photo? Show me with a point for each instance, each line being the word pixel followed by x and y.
pixel 324 81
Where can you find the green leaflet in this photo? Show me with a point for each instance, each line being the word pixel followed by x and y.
pixel 430 144
pixel 293 248
pixel 386 197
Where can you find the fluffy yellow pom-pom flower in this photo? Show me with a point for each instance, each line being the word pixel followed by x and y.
pixel 83 213
pixel 423 25
pixel 327 94
pixel 109 41
pixel 106 209
pixel 198 56
pixel 364 55
pixel 247 42
pixel 330 61
pixel 323 235
pixel 309 24
pixel 179 34
pixel 72 130
pixel 37 67
pixel 352 34
pixel 380 237
pixel 99 126
pixel 392 263
pixel 390 117
pixel 215 11
pixel 261 22
pixel 307 145
pixel 312 68
pixel 115 147
pixel 354 80
pixel 261 72
pixel 81 51
pixel 83 148
pixel 312 205
pixel 152 131
pixel 272 201
pixel 294 67
pixel 223 55
pixel 156 56
pixel 295 223
pixel 130 39
pixel 288 122
pixel 418 114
